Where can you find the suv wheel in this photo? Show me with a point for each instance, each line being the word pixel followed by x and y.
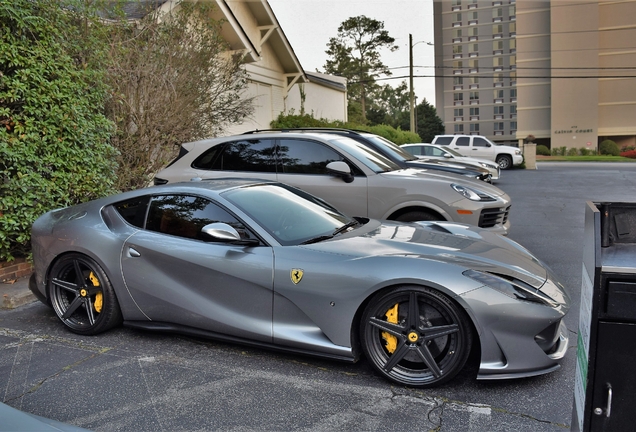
pixel 504 162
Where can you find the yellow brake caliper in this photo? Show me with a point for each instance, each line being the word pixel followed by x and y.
pixel 390 340
pixel 99 298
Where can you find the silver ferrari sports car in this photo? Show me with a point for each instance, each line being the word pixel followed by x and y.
pixel 265 264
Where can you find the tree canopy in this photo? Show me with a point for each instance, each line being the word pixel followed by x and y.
pixel 355 54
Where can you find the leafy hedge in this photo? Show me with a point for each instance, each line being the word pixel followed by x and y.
pixel 397 136
pixel 54 140
pixel 543 150
pixel 609 147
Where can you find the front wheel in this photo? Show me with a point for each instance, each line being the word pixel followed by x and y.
pixel 415 336
pixel 504 162
pixel 82 295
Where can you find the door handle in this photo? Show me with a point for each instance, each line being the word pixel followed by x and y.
pixel 608 407
pixel 133 253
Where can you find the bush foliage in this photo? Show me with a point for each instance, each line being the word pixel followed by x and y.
pixel 292 120
pixel 609 147
pixel 54 139
pixel 543 150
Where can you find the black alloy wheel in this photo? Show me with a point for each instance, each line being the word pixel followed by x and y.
pixel 416 336
pixel 82 295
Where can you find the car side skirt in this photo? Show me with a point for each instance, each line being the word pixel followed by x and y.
pixel 190 331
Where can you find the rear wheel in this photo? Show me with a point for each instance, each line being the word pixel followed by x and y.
pixel 415 336
pixel 504 162
pixel 82 295
pixel 418 215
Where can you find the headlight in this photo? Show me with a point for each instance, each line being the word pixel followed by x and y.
pixel 472 194
pixel 518 152
pixel 514 289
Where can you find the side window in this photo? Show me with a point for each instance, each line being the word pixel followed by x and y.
pixel 414 150
pixel 246 155
pixel 480 142
pixel 443 140
pixel 463 141
pixel 297 156
pixel 437 152
pixel 185 216
pixel 134 210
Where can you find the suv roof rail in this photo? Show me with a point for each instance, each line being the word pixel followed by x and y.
pixel 309 129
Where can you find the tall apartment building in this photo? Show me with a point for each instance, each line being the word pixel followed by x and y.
pixel 563 71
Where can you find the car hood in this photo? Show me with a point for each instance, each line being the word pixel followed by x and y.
pixel 452 243
pixel 445 178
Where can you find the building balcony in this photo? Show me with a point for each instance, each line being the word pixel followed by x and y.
pixel 473 86
pixel 456 56
pixel 457 24
pixel 456 8
pixel 499 133
pixel 499 116
pixel 474 118
pixel 473 38
pixel 458 87
pixel 473 22
pixel 457 40
pixel 499 100
pixel 473 54
pixel 458 103
pixel 458 119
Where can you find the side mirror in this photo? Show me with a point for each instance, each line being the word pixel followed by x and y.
pixel 222 232
pixel 340 169
pixel 448 155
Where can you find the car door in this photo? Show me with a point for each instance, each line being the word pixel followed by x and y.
pixel 177 276
pixel 303 163
pixel 481 149
pixel 462 145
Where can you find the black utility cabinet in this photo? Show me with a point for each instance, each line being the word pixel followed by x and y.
pixel 605 383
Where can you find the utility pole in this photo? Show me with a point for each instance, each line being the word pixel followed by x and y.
pixel 411 94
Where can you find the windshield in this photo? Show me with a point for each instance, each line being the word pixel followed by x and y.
pixel 395 150
pixel 288 214
pixel 371 158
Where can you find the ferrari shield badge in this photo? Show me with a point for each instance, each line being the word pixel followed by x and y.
pixel 296 275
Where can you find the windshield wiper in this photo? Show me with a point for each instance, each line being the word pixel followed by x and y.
pixel 345 227
pixel 333 234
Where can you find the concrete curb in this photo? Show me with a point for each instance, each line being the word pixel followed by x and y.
pixel 16 293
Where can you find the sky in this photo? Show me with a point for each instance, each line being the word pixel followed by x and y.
pixel 309 24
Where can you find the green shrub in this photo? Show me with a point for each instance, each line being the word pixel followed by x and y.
pixel 292 120
pixel 54 139
pixel 543 150
pixel 609 147
pixel 573 152
pixel 559 151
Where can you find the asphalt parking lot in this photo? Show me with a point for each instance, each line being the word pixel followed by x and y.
pixel 127 380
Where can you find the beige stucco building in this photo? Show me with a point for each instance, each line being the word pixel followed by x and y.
pixel 566 70
pixel 276 77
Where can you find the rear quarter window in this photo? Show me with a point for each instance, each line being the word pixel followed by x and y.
pixel 443 140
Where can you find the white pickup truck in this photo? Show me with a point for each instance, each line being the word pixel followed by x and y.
pixel 481 147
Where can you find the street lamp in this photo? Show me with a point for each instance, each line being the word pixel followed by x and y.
pixel 411 94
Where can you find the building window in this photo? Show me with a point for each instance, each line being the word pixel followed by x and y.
pixel 512 28
pixel 497 14
pixel 513 62
pixel 457 49
pixel 497 31
pixel 512 12
pixel 458 80
pixel 513 127
pixel 498 110
pixel 513 45
pixel 474 111
pixel 498 126
pixel 513 111
pixel 474 95
pixel 459 128
pixel 458 99
pixel 474 128
pixel 513 78
pixel 473 32
pixel 457 33
pixel 458 112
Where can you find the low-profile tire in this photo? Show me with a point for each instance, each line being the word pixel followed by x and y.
pixel 415 336
pixel 418 215
pixel 504 162
pixel 76 287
